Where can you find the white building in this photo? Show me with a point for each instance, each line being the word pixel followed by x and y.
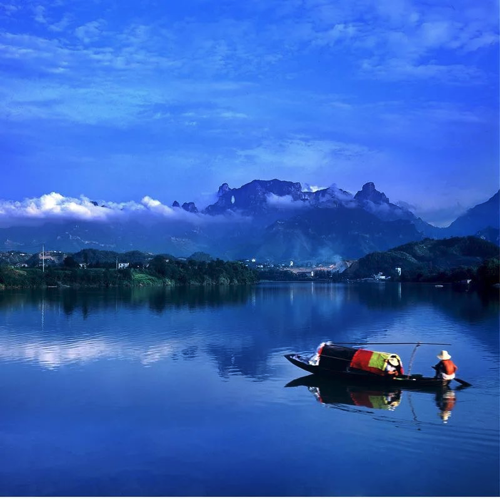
pixel 381 277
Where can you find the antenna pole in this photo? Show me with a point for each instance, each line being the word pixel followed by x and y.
pixel 43 257
pixel 411 358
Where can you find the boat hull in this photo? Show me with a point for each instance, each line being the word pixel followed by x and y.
pixel 359 377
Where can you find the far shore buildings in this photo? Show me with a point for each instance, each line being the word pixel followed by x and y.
pixel 49 258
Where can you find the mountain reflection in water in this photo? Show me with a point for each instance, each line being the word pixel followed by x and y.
pixel 180 392
pixel 277 316
pixel 469 306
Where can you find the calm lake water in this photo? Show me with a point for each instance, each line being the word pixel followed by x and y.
pixel 182 392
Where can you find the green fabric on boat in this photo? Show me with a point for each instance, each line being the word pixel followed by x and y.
pixel 378 360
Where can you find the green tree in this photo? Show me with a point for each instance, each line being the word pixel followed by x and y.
pixel 159 265
pixel 489 272
pixel 70 262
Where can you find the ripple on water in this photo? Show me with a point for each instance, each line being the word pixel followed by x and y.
pixel 186 380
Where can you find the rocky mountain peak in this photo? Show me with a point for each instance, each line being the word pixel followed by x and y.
pixel 252 198
pixel 223 189
pixel 191 207
pixel 176 204
pixel 370 193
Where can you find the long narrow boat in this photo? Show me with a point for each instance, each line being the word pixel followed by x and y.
pixel 342 371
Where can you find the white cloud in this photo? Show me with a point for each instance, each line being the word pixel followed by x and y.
pixel 440 208
pixel 311 188
pixel 401 69
pixel 55 206
pixel 341 195
pixel 284 202
pixel 90 31
pixel 402 39
pixel 156 206
pixel 39 14
pixel 61 25
pixel 9 9
pixel 302 153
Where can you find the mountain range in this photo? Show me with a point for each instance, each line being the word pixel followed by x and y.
pixel 271 220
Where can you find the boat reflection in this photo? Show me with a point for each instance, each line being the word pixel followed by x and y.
pixel 342 394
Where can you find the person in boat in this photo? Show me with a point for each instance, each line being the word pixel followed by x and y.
pixel 445 368
pixel 393 367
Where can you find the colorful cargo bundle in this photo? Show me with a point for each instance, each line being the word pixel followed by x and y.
pixel 380 363
pixel 340 358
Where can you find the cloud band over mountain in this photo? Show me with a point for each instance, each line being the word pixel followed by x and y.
pixel 55 206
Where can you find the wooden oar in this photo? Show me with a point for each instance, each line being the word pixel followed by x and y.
pixel 462 382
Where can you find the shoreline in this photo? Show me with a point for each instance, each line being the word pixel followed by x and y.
pixel 212 284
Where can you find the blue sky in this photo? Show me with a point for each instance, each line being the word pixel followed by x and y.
pixel 121 100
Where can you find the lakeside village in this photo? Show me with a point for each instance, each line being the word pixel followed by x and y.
pixel 289 270
pixel 137 261
pixel 465 261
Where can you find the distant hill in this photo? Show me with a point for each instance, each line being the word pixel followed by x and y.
pixel 482 216
pixel 200 256
pixel 490 234
pixel 326 233
pixel 13 257
pixel 100 257
pixel 425 257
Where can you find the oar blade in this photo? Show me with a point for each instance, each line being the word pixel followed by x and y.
pixel 462 382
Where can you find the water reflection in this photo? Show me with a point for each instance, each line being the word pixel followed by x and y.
pixel 240 329
pixel 445 401
pixel 345 395
pixel 470 306
pixel 338 394
pixel 158 300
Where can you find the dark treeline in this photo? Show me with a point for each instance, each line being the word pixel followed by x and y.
pixel 160 271
pixel 444 260
pixel 485 275
pixel 488 274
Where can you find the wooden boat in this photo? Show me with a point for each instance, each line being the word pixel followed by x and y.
pixel 340 370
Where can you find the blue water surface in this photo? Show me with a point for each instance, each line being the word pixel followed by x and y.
pixel 183 392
